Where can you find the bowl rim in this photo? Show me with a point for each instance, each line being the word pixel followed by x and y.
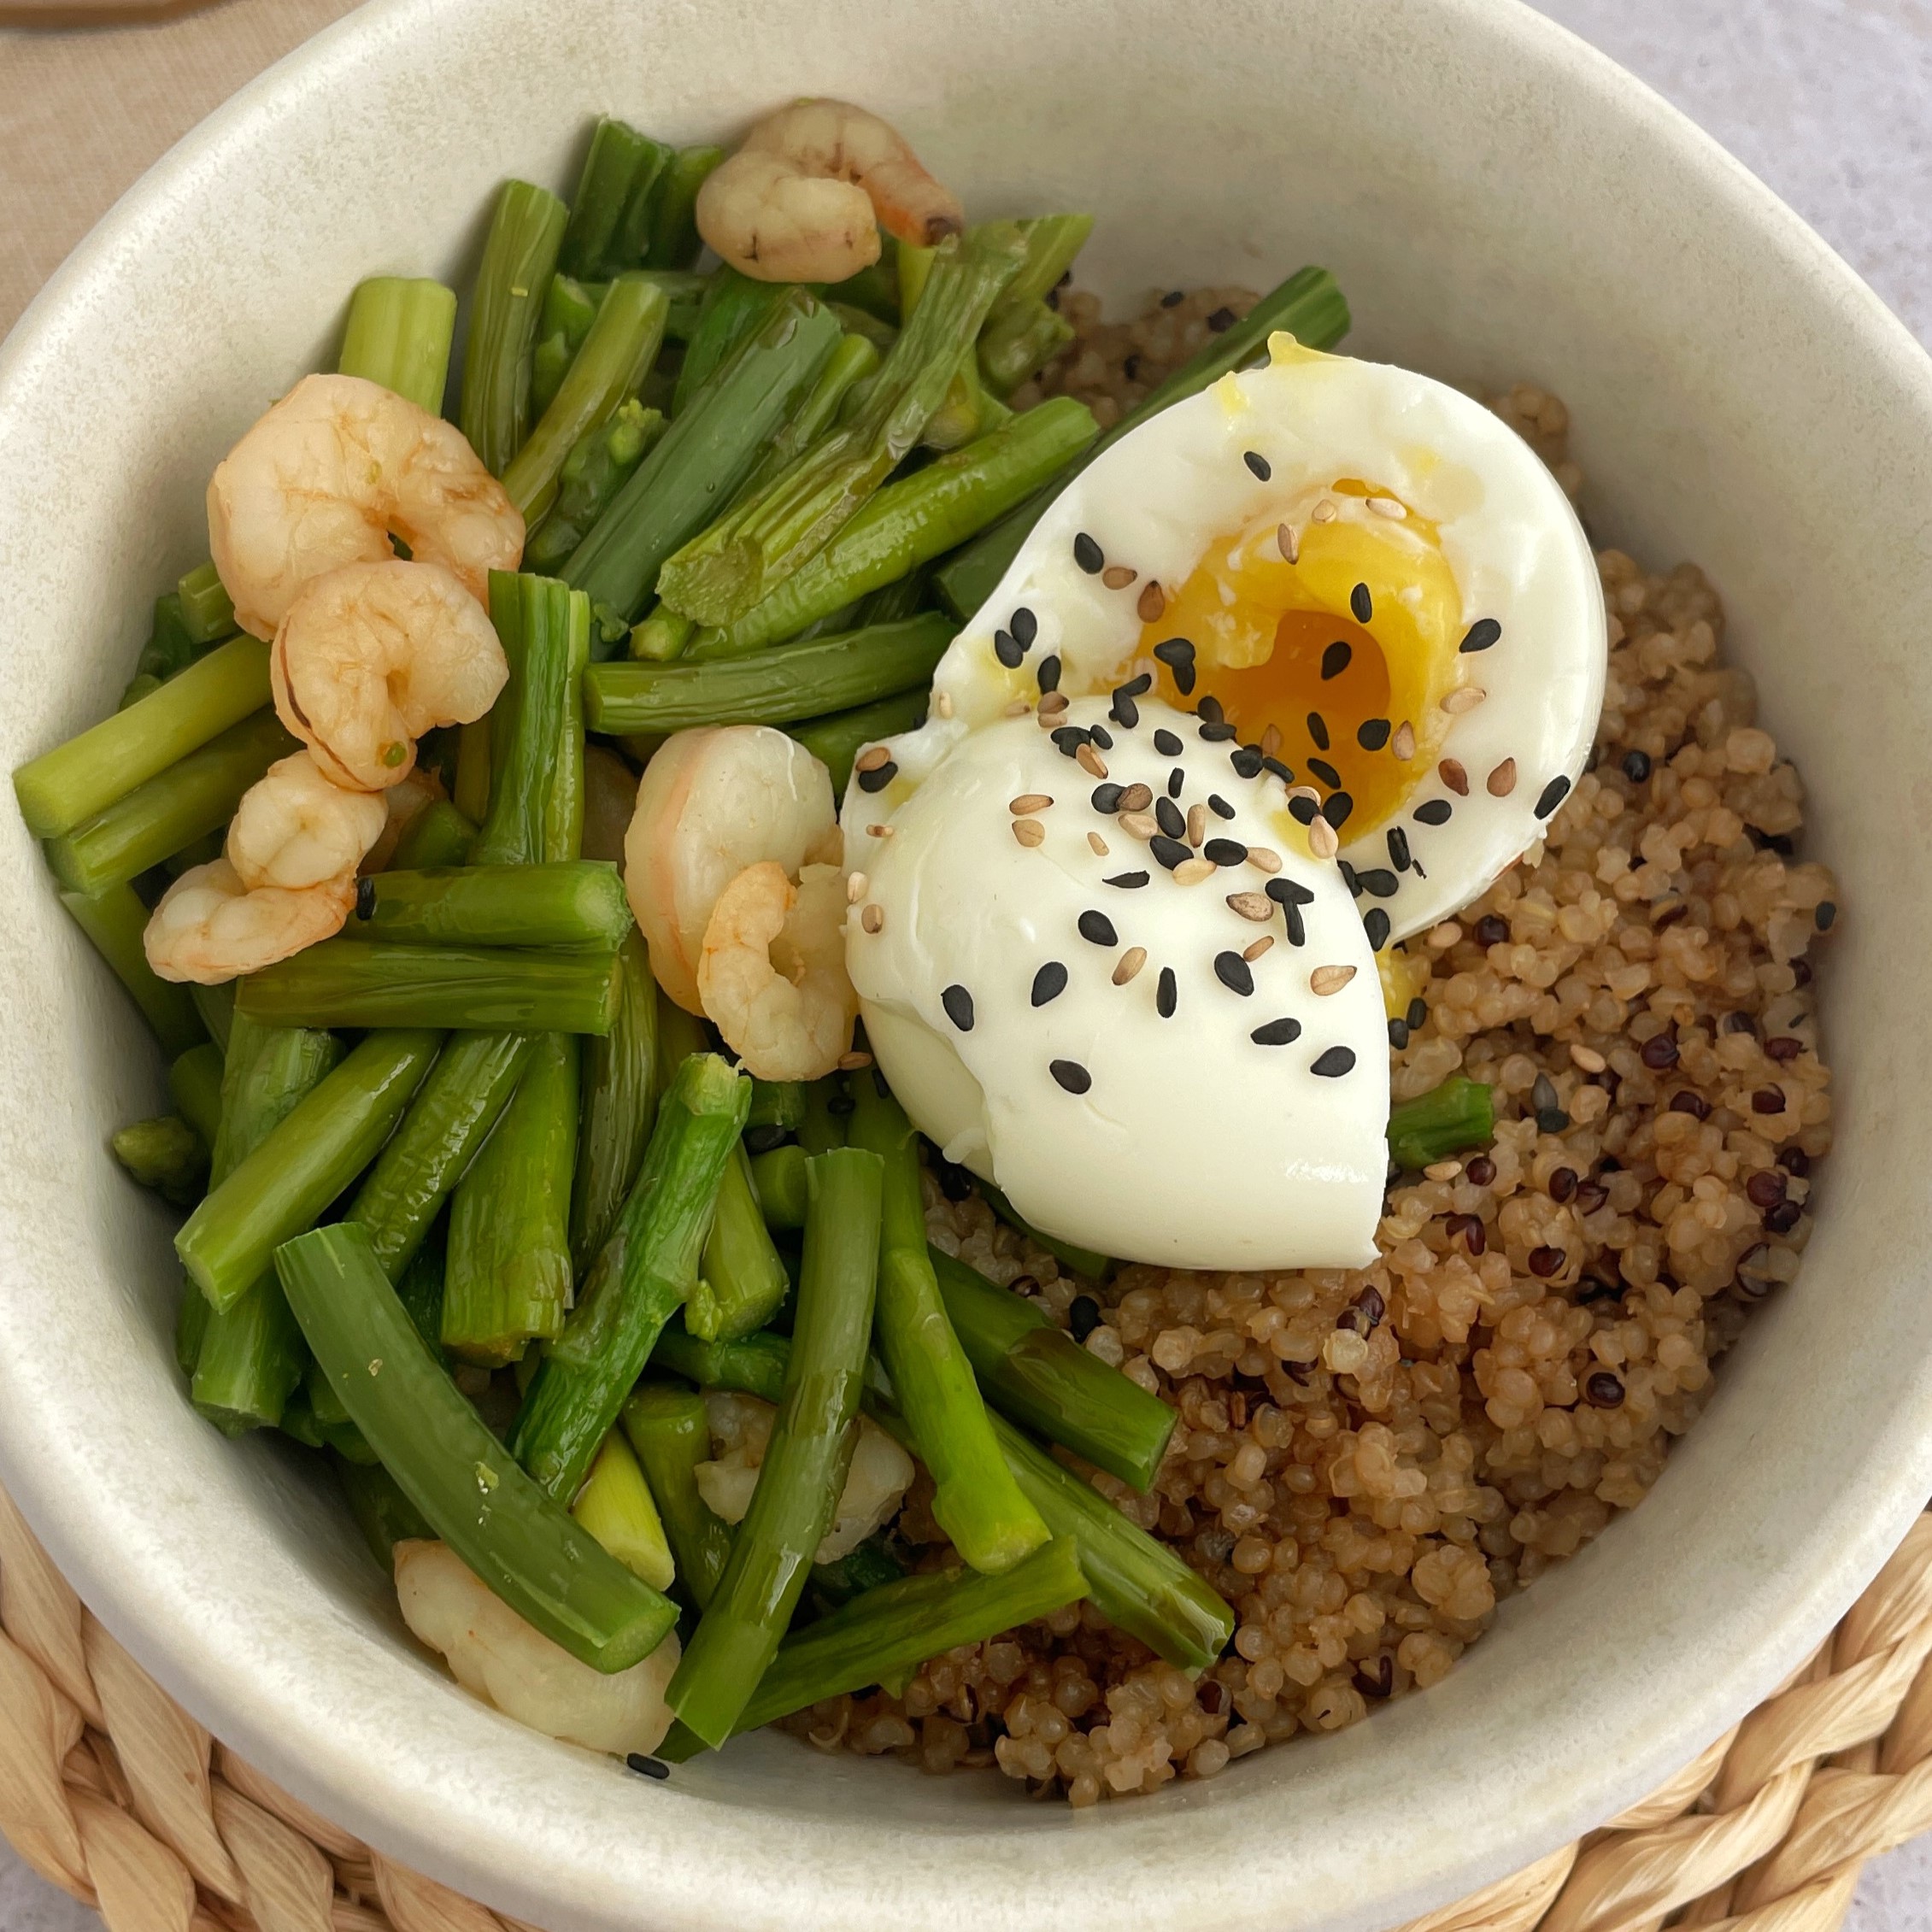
pixel 1897 1467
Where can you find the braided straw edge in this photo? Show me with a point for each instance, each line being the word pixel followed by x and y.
pixel 109 1790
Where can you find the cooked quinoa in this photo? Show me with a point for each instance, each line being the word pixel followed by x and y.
pixel 1368 1460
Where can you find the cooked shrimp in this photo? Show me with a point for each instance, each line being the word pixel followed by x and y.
pixel 710 803
pixel 329 475
pixel 372 656
pixel 209 927
pixel 805 196
pixel 772 972
pixel 496 1656
pixel 876 1482
pixel 294 829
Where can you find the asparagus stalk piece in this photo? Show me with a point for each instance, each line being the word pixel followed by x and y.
pixel 892 1630
pixel 595 470
pixel 778 1107
pixel 622 344
pixel 461 1098
pixel 752 1364
pixel 195 795
pixel 519 259
pixel 1016 344
pixel 113 921
pixel 169 648
pixel 507 1278
pixel 570 307
pixel 616 1506
pixel 468 1488
pixel 851 363
pixel 667 1429
pixel 674 242
pixel 806 1459
pixel 769 687
pixel 837 740
pixel 778 1177
pixel 207 609
pixel 1083 1260
pixel 439 836
pixel 1309 305
pixel 279 1188
pixel 735 309
pixel 349 982
pixel 215 1005
pixel 640 1278
pixel 740 1280
pixel 383 1514
pixel 166 1155
pixel 398 334
pixel 1038 1375
pixel 64 788
pixel 1052 242
pixel 1449 1120
pixel 747 554
pixel 828 1109
pixel 248 1359
pixel 194 1083
pixel 976 1502
pixel 713 444
pixel 908 523
pixel 620 1100
pixel 577 904
pixel 536 726
pixel 610 216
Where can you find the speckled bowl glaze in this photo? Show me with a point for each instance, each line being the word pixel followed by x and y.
pixel 1498 202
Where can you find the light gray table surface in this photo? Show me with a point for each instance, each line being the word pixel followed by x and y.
pixel 1830 103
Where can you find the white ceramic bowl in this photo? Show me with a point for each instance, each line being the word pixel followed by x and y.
pixel 1498 202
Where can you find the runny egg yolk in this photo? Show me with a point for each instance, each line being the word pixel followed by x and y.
pixel 1338 663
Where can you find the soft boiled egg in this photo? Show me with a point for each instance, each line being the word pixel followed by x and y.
pixel 1342 629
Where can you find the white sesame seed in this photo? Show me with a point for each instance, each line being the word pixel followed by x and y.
pixel 1502 782
pixel 942 704
pixel 1257 906
pixel 1197 823
pixel 1029 831
pixel 1138 825
pixel 851 1062
pixel 1131 962
pixel 1587 1060
pixel 1271 741
pixel 1443 1169
pixel 1028 803
pixel 1326 979
pixel 1387 507
pixel 880 831
pixel 1191 871
pixel 1091 761
pixel 1098 843
pixel 1443 936
pixel 1259 946
pixel 872 918
pixel 871 758
pixel 1326 511
pixel 856 887
pixel 1263 858
pixel 1118 576
pixel 1466 698
pixel 1322 841
pixel 1017 708
pixel 1288 543
pixel 1403 743
pixel 1152 604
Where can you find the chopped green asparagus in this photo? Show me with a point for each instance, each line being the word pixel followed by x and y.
pixel 439 835
pixel 619 1101
pixel 667 1429
pixel 519 259
pixel 207 609
pixel 778 1177
pixel 616 1506
pixel 1449 1120
pixel 383 1514
pixel 610 214
pixel 113 921
pixel 674 242
pixel 752 1364
pixel 1083 1260
pixel 577 904
pixel 1016 344
pixel 536 728
pixel 398 334
pixel 740 1280
pixel 595 470
pixel 194 1083
pixel 164 1155
pixel 735 309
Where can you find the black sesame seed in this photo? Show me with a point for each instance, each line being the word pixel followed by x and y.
pixel 1024 626
pixel 365 898
pixel 1481 635
pixel 1124 711
pixel 1049 982
pixel 1176 782
pixel 1435 813
pixel 1210 708
pixel 1326 772
pixel 1218 806
pixel 1168 816
pixel 1276 1033
pixel 1361 603
pixel 1398 843
pixel 1285 773
pixel 878 778
pixel 1137 687
pixel 1374 924
pixel 1222 320
pixel 1554 794
pixel 1373 733
pixel 1286 892
pixel 1297 931
pixel 1231 969
pixel 1127 881
pixel 1083 1316
pixel 1379 880
pixel 1783 843
pixel 1417 1012
pixel 1258 463
pixel 1105 799
pixel 1336 658
pixel 1334 1063
pixel 1049 673
pixel 1317 729
pixel 1091 559
pixel 1214 733
pixel 1068 739
pixel 1166 743
pixel 1636 767
pixel 1553 1120
pixel 1008 650
pixel 1824 916
pixel 955 1182
pixel 1168 851
pixel 1071 1075
pixel 1172 299
pixel 1102 736
pixel 1302 810
pixel 1132 367
pixel 1166 995
pixel 1398 1033
pixel 1350 878
pixel 1336 807
pixel 1225 852
pixel 1175 652
pixel 763 1139
pixel 958 1003
pixel 648 1767
pixel 1098 929
pixel 1247 761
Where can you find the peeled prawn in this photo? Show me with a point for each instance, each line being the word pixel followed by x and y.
pixel 876 1481
pixel 496 1656
pixel 295 829
pixel 371 656
pixel 710 803
pixel 209 927
pixel 329 475
pixel 805 196
pixel 772 974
